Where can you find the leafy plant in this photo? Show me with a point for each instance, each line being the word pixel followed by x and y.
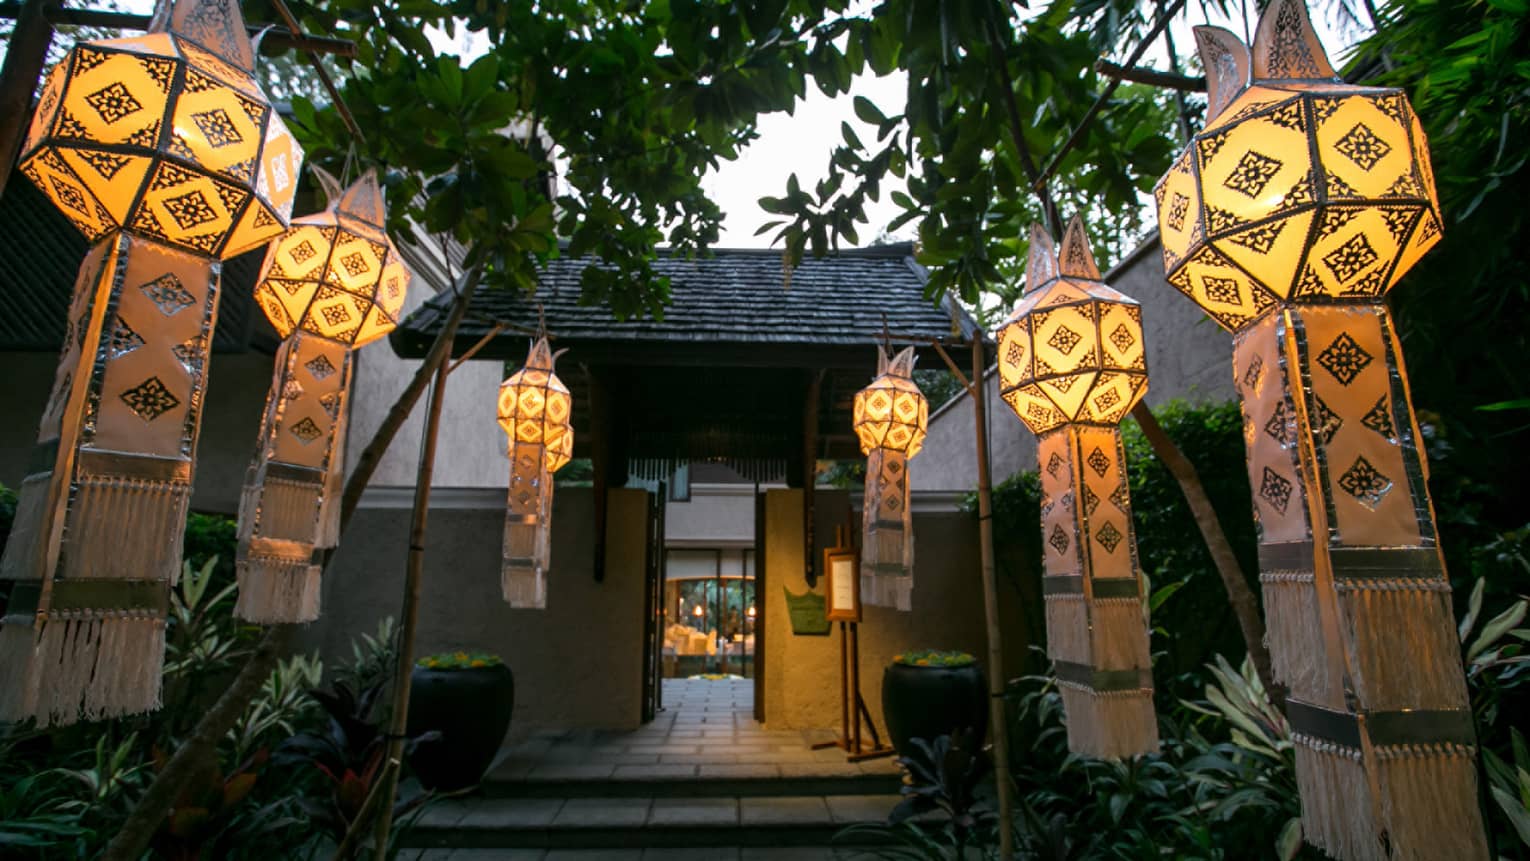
pixel 934 658
pixel 349 754
pixel 944 780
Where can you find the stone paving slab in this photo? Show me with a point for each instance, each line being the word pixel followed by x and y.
pixel 724 853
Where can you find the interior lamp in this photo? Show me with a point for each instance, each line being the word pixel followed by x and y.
pixel 891 417
pixel 1289 216
pixel 331 283
pixel 536 412
pixel 165 153
pixel 1071 366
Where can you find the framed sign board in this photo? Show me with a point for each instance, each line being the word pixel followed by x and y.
pixel 841 568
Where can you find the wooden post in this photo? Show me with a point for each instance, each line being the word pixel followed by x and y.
pixel 996 715
pixel 28 51
pixel 810 474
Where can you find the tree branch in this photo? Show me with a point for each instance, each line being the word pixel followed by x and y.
pixel 1239 595
pixel 1016 128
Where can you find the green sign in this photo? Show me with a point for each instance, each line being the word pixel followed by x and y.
pixel 809 613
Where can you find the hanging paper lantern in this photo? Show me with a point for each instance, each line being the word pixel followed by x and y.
pixel 330 284
pixel 1289 216
pixel 891 416
pixel 1071 366
pixel 163 151
pixel 536 411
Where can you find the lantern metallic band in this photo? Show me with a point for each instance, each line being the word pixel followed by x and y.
pixel 145 467
pixel 1356 563
pixel 277 548
pixel 888 524
pixel 280 471
pixel 150 596
pixel 1102 681
pixel 526 519
pixel 1453 726
pixel 520 561
pixel 1104 587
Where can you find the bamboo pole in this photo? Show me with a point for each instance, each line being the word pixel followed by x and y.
pixel 413 574
pixel 996 712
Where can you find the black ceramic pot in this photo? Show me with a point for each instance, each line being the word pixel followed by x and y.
pixel 925 702
pixel 471 709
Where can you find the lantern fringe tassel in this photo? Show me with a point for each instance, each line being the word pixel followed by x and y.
pixel 1293 624
pixel 528 527
pixel 278 590
pixel 277 580
pixel 887 554
pixel 1109 724
pixel 1120 634
pixel 62 666
pixel 1404 652
pixel 66 669
pixel 1067 628
pixel 1427 793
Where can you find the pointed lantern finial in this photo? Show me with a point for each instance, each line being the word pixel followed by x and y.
pixel 1227 64
pixel 1075 259
pixel 1041 264
pixel 1286 46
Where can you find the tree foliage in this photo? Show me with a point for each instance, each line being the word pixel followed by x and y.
pixel 593 123
pixel 990 97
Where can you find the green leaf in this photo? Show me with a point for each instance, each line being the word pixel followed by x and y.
pixel 1290 840
pixel 1500 625
pixel 1518 815
pixel 868 112
pixel 1474 608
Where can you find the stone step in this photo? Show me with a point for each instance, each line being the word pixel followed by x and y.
pixel 692 781
pixel 614 822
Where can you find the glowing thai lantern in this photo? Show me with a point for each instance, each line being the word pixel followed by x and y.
pixel 330 284
pixel 891 416
pixel 536 411
pixel 164 152
pixel 1071 366
pixel 1302 201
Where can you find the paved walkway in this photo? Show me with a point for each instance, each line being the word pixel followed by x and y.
pixel 707 730
pixel 704 774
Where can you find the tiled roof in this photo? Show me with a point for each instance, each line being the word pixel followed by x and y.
pixel 734 297
pixel 40 254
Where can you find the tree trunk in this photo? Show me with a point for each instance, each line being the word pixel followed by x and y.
pixel 27 53
pixel 1239 595
pixel 193 754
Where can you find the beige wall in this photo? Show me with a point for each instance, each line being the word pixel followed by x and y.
pixel 577 663
pixel 802 672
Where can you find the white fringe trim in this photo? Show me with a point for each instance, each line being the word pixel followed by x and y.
pixel 1120 635
pixel 1294 633
pixel 1403 649
pixel 277 590
pixel 63 670
pixel 1112 725
pixel 1336 801
pixel 523 587
pixel 1068 629
pixel 1429 802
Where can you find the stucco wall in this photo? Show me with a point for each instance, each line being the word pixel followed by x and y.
pixel 471 446
pixel 802 672
pixel 577 663
pixel 1189 357
pixel 236 394
pixel 717 515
